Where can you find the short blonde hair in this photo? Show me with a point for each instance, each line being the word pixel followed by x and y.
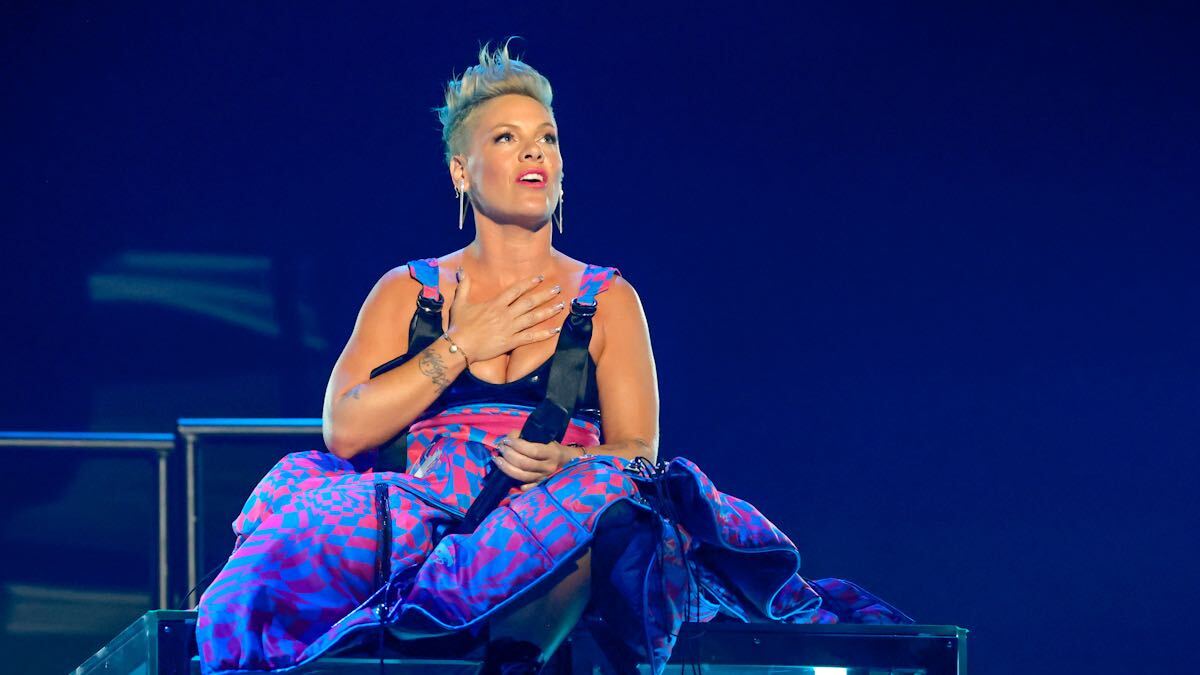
pixel 497 74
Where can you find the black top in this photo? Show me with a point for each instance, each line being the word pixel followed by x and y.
pixel 529 390
pixel 556 390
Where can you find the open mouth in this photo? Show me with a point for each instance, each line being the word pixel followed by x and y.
pixel 533 179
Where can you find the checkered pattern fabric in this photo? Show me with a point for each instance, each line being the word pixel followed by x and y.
pixel 302 576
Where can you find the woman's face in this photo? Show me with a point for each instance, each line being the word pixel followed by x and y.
pixel 513 136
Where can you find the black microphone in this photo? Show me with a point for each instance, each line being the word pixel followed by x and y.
pixel 547 422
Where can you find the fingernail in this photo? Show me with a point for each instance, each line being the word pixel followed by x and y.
pixel 556 330
pixel 541 277
pixel 561 305
pixel 556 288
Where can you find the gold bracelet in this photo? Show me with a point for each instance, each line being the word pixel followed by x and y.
pixel 455 349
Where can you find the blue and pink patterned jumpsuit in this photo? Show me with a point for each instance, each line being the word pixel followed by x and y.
pixel 306 574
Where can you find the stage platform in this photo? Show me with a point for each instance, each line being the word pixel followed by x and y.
pixel 162 642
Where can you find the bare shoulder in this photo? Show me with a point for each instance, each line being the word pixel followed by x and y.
pixel 395 286
pixel 619 316
pixel 380 331
pixel 388 307
pixel 620 299
pixel 398 279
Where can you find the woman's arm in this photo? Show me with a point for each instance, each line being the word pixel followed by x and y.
pixel 626 377
pixel 361 413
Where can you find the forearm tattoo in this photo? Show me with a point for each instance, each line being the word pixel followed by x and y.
pixel 433 368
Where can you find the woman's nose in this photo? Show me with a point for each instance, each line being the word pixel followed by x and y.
pixel 532 152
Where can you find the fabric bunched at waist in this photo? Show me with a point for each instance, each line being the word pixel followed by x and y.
pixel 487 424
pixel 449 453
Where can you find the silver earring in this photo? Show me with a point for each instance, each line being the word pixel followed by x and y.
pixel 462 209
pixel 558 212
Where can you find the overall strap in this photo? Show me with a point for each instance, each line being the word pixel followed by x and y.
pixel 567 382
pixel 426 323
pixel 595 280
pixel 426 272
pixel 427 320
pixel 566 386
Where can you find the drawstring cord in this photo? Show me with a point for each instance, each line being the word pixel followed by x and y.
pixel 381 611
pixel 656 474
pixel 183 604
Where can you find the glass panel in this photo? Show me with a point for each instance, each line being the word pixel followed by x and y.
pixel 736 669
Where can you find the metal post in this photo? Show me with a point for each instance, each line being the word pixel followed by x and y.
pixel 163 567
pixel 190 480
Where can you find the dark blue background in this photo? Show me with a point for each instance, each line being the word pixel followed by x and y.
pixel 921 282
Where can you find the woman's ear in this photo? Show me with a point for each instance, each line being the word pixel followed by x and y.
pixel 458 172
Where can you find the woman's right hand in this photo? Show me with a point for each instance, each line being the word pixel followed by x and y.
pixel 486 330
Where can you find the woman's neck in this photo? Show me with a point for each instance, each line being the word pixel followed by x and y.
pixel 506 253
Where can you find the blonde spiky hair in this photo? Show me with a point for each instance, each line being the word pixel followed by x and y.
pixel 497 74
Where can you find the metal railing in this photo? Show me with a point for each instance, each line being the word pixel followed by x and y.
pixel 179 468
pixel 189 434
pixel 158 447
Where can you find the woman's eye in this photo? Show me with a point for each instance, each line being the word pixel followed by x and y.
pixel 552 138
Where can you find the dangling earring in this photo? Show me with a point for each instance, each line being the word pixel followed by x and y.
pixel 462 209
pixel 558 211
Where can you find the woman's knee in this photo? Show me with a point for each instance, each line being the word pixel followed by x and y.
pixel 550 616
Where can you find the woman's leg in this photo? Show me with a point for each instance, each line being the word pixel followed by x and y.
pixel 547 619
pixel 522 637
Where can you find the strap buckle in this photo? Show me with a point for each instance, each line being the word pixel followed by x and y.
pixel 430 305
pixel 583 309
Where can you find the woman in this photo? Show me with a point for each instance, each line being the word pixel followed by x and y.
pixel 331 547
